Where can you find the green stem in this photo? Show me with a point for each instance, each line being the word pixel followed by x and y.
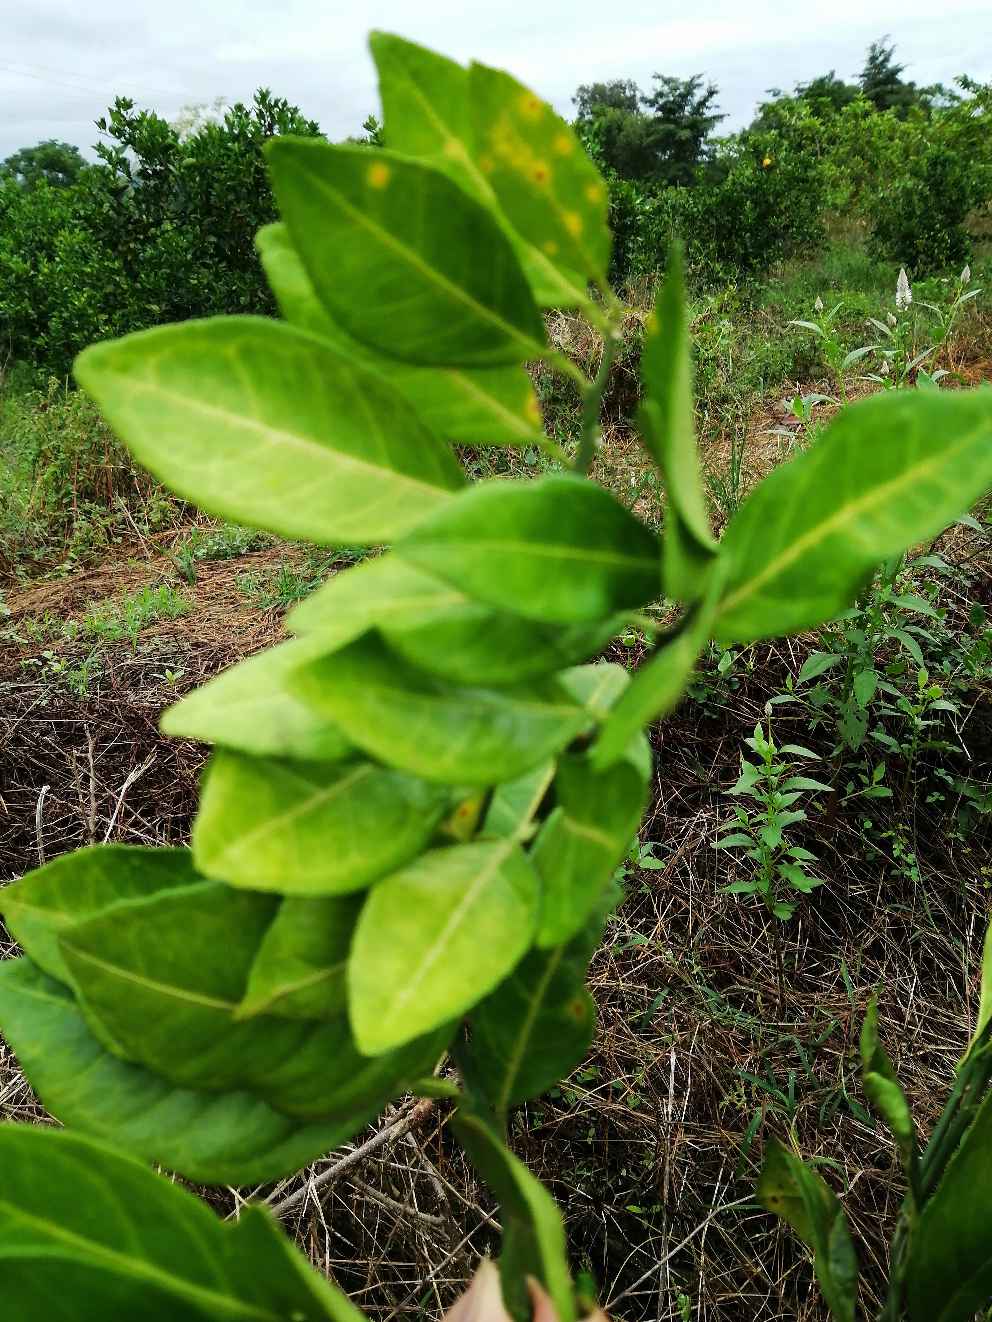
pixel 958 1113
pixel 591 404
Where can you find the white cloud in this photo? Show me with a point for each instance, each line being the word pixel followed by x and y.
pixel 61 63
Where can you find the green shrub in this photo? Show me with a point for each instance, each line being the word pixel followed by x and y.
pixel 162 229
pixel 920 218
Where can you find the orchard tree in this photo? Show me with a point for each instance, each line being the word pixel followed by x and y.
pixel 57 163
pixel 683 113
pixel 656 138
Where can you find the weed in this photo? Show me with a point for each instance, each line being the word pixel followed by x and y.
pixel 123 619
pixel 228 542
pixel 775 788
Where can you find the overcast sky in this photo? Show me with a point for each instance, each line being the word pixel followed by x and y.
pixel 63 61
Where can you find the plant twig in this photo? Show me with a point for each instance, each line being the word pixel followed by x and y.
pixel 411 1118
pixel 591 404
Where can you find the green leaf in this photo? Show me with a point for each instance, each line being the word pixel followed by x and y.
pixel 226 1138
pixel 660 682
pixel 436 937
pixel 885 1094
pixel 533 1234
pixel 474 644
pixel 888 472
pixel 668 431
pixel 513 805
pixel 985 995
pixel 789 1189
pixel 558 548
pixel 584 840
pixel 816 664
pixel 299 968
pixel 162 980
pixel 487 406
pixel 310 828
pixel 436 627
pixel 261 423
pixel 457 736
pixel 250 707
pixel 427 109
pixel 545 183
pixel 598 687
pixel 121 1242
pixel 949 1270
pixel 865 687
pixel 537 1026
pixel 413 286
pixel 380 589
pixel 39 907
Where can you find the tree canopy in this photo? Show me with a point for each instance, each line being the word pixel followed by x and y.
pixel 57 163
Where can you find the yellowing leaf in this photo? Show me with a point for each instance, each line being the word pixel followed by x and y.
pixel 412 286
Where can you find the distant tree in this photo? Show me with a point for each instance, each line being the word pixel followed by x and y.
pixel 683 113
pixel 371 135
pixel 882 83
pixel 619 94
pixel 828 94
pixel 656 138
pixel 56 163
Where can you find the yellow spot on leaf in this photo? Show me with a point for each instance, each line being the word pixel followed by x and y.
pixel 564 144
pixel 378 174
pixel 595 193
pixel 532 409
pixel 573 222
pixel 454 149
pixel 530 105
pixel 550 247
pixel 487 164
pixel 651 322
pixel 541 173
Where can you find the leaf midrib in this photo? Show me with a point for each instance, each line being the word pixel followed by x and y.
pixel 279 435
pixel 317 798
pixel 455 919
pixel 535 1001
pixel 286 989
pixel 90 1252
pixel 176 993
pixel 533 347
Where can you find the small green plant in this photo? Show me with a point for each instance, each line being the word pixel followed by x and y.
pixel 839 360
pixel 228 542
pixel 760 830
pixel 121 620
